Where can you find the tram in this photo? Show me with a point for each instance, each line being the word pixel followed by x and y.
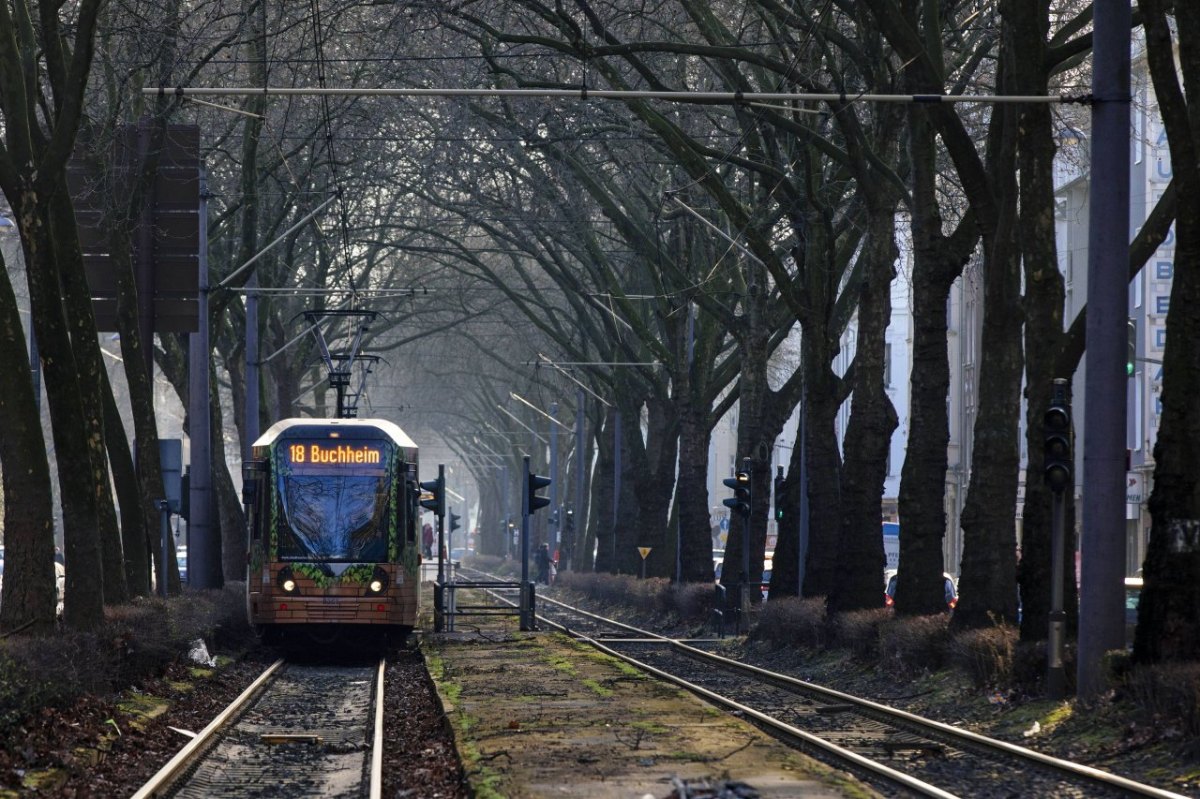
pixel 332 509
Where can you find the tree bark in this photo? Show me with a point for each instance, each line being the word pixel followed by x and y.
pixel 988 572
pixel 1044 300
pixel 84 602
pixel 92 381
pixel 869 433
pixel 134 538
pixel 937 263
pixel 28 515
pixel 1168 626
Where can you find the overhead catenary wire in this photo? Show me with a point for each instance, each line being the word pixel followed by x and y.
pixel 695 97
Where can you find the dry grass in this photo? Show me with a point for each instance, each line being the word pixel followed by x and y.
pixel 988 654
pixel 916 642
pixel 858 631
pixel 690 603
pixel 136 641
pixel 1169 690
pixel 792 622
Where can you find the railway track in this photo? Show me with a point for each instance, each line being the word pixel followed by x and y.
pixel 298 730
pixel 885 745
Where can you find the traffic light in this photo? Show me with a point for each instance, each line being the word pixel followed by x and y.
pixel 740 501
pixel 434 495
pixel 454 517
pixel 536 484
pixel 1130 348
pixel 1056 430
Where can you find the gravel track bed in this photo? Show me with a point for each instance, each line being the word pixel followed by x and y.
pixel 80 754
pixel 307 734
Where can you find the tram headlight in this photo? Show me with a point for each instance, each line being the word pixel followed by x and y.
pixel 379 581
pixel 287 581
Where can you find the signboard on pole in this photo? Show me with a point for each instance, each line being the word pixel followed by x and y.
pixel 1135 494
pixel 643 551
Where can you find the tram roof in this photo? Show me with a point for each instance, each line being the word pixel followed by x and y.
pixel 389 429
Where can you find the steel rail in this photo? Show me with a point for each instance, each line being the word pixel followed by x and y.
pixel 843 755
pixel 1105 778
pixel 167 774
pixel 966 736
pixel 376 787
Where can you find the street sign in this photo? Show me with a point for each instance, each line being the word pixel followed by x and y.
pixel 644 551
pixel 1135 488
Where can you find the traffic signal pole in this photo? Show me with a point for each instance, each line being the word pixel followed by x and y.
pixel 1059 469
pixel 441 514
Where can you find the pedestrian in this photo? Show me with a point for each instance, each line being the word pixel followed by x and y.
pixel 427 540
pixel 542 560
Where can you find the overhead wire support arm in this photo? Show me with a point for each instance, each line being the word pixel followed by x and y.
pixel 576 381
pixel 512 416
pixel 307 218
pixel 530 405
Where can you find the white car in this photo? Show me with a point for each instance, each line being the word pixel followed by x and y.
pixel 60 583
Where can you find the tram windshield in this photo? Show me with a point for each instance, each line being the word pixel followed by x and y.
pixel 334 500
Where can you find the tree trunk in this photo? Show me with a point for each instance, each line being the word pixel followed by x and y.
pixel 785 571
pixel 754 440
pixel 692 488
pixel 988 575
pixel 601 520
pixel 134 538
pixel 231 534
pixel 92 381
pixel 84 602
pixel 869 433
pixel 824 466
pixel 936 265
pixel 139 377
pixel 654 485
pixel 627 559
pixel 1168 625
pixel 28 518
pixel 1044 300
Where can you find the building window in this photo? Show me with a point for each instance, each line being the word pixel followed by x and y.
pixel 887 366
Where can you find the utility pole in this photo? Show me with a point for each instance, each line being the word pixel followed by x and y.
pixel 1102 548
pixel 201 547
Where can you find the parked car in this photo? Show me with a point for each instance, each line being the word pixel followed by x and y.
pixel 60 582
pixel 889 591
